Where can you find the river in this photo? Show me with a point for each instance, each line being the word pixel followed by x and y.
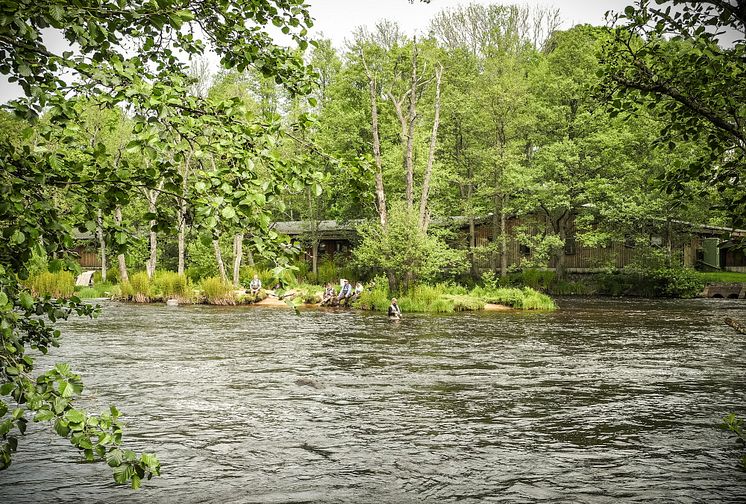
pixel 601 401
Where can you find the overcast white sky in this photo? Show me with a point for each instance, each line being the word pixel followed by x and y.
pixel 336 19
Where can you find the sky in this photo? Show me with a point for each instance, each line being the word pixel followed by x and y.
pixel 336 19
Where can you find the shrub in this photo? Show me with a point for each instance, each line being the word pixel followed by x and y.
pixel 537 279
pixel 466 303
pixel 524 299
pixel 376 296
pixel 112 275
pixel 87 293
pixel 171 285
pixel 534 300
pixel 137 289
pixel 217 292
pixel 56 285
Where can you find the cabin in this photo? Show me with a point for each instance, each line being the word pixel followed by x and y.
pixel 695 246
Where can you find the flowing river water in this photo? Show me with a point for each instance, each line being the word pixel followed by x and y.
pixel 601 401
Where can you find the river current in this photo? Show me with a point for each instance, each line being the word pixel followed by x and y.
pixel 601 401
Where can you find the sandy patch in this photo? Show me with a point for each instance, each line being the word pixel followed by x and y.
pixel 496 307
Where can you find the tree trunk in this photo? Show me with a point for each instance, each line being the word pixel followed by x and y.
pixel 219 260
pixel 102 242
pixel 123 276
pixel 249 257
pixel 237 258
pixel 380 193
pixel 181 215
pixel 431 153
pixel 472 246
pixel 152 197
pixel 560 267
pixel 503 241
pixel 182 237
pixel 495 239
pixel 315 257
pixel 409 160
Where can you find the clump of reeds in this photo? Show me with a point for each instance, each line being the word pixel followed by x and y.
pixel 217 292
pixel 60 284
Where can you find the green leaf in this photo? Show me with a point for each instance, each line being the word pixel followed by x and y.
pixel 43 416
pixel 26 300
pixel 114 458
pixel 228 212
pixel 3 299
pixel 74 416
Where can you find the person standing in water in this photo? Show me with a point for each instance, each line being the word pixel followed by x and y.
pixel 394 310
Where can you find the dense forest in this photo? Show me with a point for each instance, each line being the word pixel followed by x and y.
pixel 495 117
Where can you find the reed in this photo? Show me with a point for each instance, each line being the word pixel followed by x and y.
pixel 57 285
pixel 216 292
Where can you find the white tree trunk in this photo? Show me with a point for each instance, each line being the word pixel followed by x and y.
pixel 219 260
pixel 431 154
pixel 123 276
pixel 102 242
pixel 237 258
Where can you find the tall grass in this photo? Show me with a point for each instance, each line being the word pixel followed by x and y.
pixel 171 285
pixel 523 299
pixel 57 285
pixel 138 289
pixel 99 290
pixel 216 292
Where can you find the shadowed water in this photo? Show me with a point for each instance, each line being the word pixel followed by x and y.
pixel 601 401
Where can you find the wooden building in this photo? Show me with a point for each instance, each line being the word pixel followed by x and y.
pixel 687 243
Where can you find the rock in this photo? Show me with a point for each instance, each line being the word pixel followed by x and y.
pixel 172 302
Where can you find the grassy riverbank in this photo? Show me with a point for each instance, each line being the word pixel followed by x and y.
pixel 166 285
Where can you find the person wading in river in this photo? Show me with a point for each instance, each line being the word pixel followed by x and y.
pixel 394 310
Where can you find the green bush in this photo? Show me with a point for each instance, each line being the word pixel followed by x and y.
pixel 534 300
pixel 466 303
pixel 217 292
pixel 171 285
pixel 137 289
pixel 653 283
pixel 537 279
pixel 523 299
pixel 112 275
pixel 87 293
pixel 376 296
pixel 57 285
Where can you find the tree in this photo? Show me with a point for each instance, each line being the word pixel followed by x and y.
pixel 685 61
pixel 404 252
pixel 125 54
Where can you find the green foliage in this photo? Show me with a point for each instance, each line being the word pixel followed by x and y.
pixel 522 299
pixel 536 279
pixel 734 424
pixel 654 283
pixel 686 70
pixel 112 275
pixel 722 276
pixel 138 289
pixel 376 296
pixel 463 302
pixel 87 293
pixel 405 253
pixel 216 292
pixel 171 285
pixel 57 285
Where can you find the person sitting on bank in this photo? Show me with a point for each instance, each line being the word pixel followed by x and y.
pixel 394 310
pixel 328 295
pixel 358 291
pixel 255 285
pixel 345 292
